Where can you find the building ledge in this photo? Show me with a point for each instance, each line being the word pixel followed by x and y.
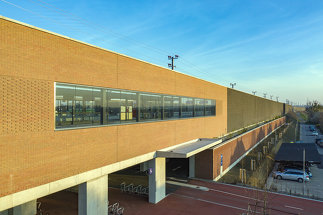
pixel 188 149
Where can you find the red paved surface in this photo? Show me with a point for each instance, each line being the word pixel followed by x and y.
pixel 220 199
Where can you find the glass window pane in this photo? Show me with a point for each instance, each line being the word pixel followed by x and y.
pixel 83 106
pixel 198 107
pixel 128 108
pixel 176 107
pixel 97 106
pixel 187 107
pixel 168 107
pixel 209 107
pixel 150 108
pixel 64 105
pixel 113 111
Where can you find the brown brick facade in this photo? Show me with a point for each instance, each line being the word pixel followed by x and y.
pixel 232 150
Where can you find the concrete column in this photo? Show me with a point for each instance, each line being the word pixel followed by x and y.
pixel 143 166
pixel 157 180
pixel 28 208
pixel 4 212
pixel 93 197
pixel 192 166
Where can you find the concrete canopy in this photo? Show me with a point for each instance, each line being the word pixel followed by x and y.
pixel 188 149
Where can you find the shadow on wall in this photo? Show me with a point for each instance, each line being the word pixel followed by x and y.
pixel 270 128
pixel 260 135
pixel 239 150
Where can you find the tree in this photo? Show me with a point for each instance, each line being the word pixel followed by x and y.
pixel 312 108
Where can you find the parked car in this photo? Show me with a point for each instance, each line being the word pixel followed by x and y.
pixel 295 167
pixel 295 175
pixel 315 133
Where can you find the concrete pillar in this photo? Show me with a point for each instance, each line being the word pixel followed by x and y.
pixel 28 208
pixel 5 212
pixel 157 180
pixel 143 166
pixel 192 166
pixel 93 197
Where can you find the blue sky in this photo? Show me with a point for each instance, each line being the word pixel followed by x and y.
pixel 273 47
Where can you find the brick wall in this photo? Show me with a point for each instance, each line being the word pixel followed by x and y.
pixel 232 150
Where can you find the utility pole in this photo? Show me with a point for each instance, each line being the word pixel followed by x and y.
pixel 254 92
pixel 233 84
pixel 171 65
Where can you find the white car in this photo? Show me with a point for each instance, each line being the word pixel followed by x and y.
pixel 315 133
pixel 296 175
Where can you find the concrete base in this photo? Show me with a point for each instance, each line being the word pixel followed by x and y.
pixel 29 208
pixel 93 197
pixel 157 180
pixel 191 171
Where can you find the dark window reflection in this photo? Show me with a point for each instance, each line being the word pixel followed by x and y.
pixel 209 107
pixel 84 108
pixel 150 107
pixel 198 107
pixel 187 107
pixel 168 107
pixel 113 113
pixel 64 105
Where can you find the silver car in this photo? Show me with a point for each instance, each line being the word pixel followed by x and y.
pixel 296 175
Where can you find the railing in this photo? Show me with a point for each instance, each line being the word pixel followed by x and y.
pixel 131 188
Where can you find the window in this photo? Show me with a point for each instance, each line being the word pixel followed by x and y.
pixel 176 107
pixel 84 108
pixel 209 107
pixel 64 105
pixel 128 108
pixel 187 107
pixel 198 107
pixel 78 105
pixel 113 109
pixel 97 95
pixel 150 107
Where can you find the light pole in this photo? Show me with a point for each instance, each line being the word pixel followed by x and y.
pixel 233 84
pixel 171 65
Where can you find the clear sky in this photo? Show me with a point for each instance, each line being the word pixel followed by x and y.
pixel 273 47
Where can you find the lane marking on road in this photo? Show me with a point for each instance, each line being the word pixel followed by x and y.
pixel 287 206
pixel 188 185
pixel 233 194
pixel 260 191
pixel 211 202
